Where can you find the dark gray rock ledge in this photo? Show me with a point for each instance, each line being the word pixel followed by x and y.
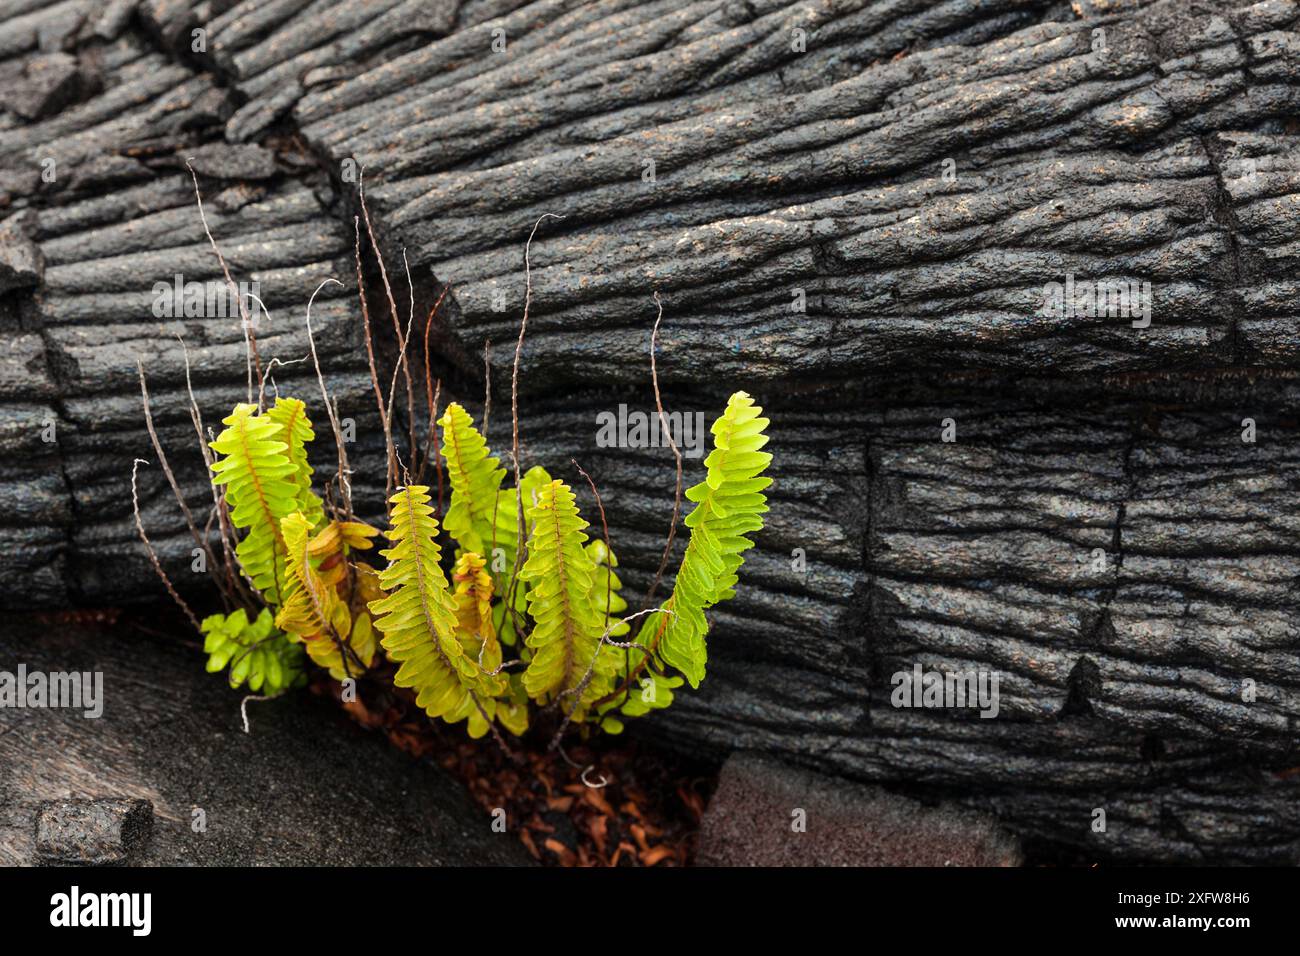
pixel 306 786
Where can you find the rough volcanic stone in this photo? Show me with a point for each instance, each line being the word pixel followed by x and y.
pixel 755 817
pixel 50 83
pixel 233 161
pixel 92 832
pixel 21 262
pixel 306 786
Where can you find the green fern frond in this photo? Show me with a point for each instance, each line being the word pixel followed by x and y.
pixel 561 577
pixel 475 479
pixel 418 619
pixel 648 691
pixel 482 516
pixel 291 415
pixel 254 466
pixel 729 504
pixel 256 652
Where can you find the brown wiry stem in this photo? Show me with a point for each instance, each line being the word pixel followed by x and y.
pixel 403 362
pixel 650 647
pixel 250 333
pixel 432 395
pixel 522 544
pixel 344 469
pixel 153 556
pixel 211 559
pixel 406 364
pixel 234 581
pixel 412 449
pixel 578 689
pixel 374 372
pixel 672 531
pixel 487 384
pixel 677 454
pixel 275 363
pixel 513 757
pixel 432 451
pixel 604 781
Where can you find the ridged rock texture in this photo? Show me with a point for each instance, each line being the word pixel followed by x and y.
pixel 852 210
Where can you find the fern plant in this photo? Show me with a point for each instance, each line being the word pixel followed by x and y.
pixel 294 557
pixel 504 612
pixel 500 629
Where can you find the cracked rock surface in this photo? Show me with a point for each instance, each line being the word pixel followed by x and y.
pixel 852 210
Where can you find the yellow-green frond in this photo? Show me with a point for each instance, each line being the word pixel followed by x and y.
pixel 561 577
pixel 291 415
pixel 476 479
pixel 253 466
pixel 418 617
pixel 729 504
